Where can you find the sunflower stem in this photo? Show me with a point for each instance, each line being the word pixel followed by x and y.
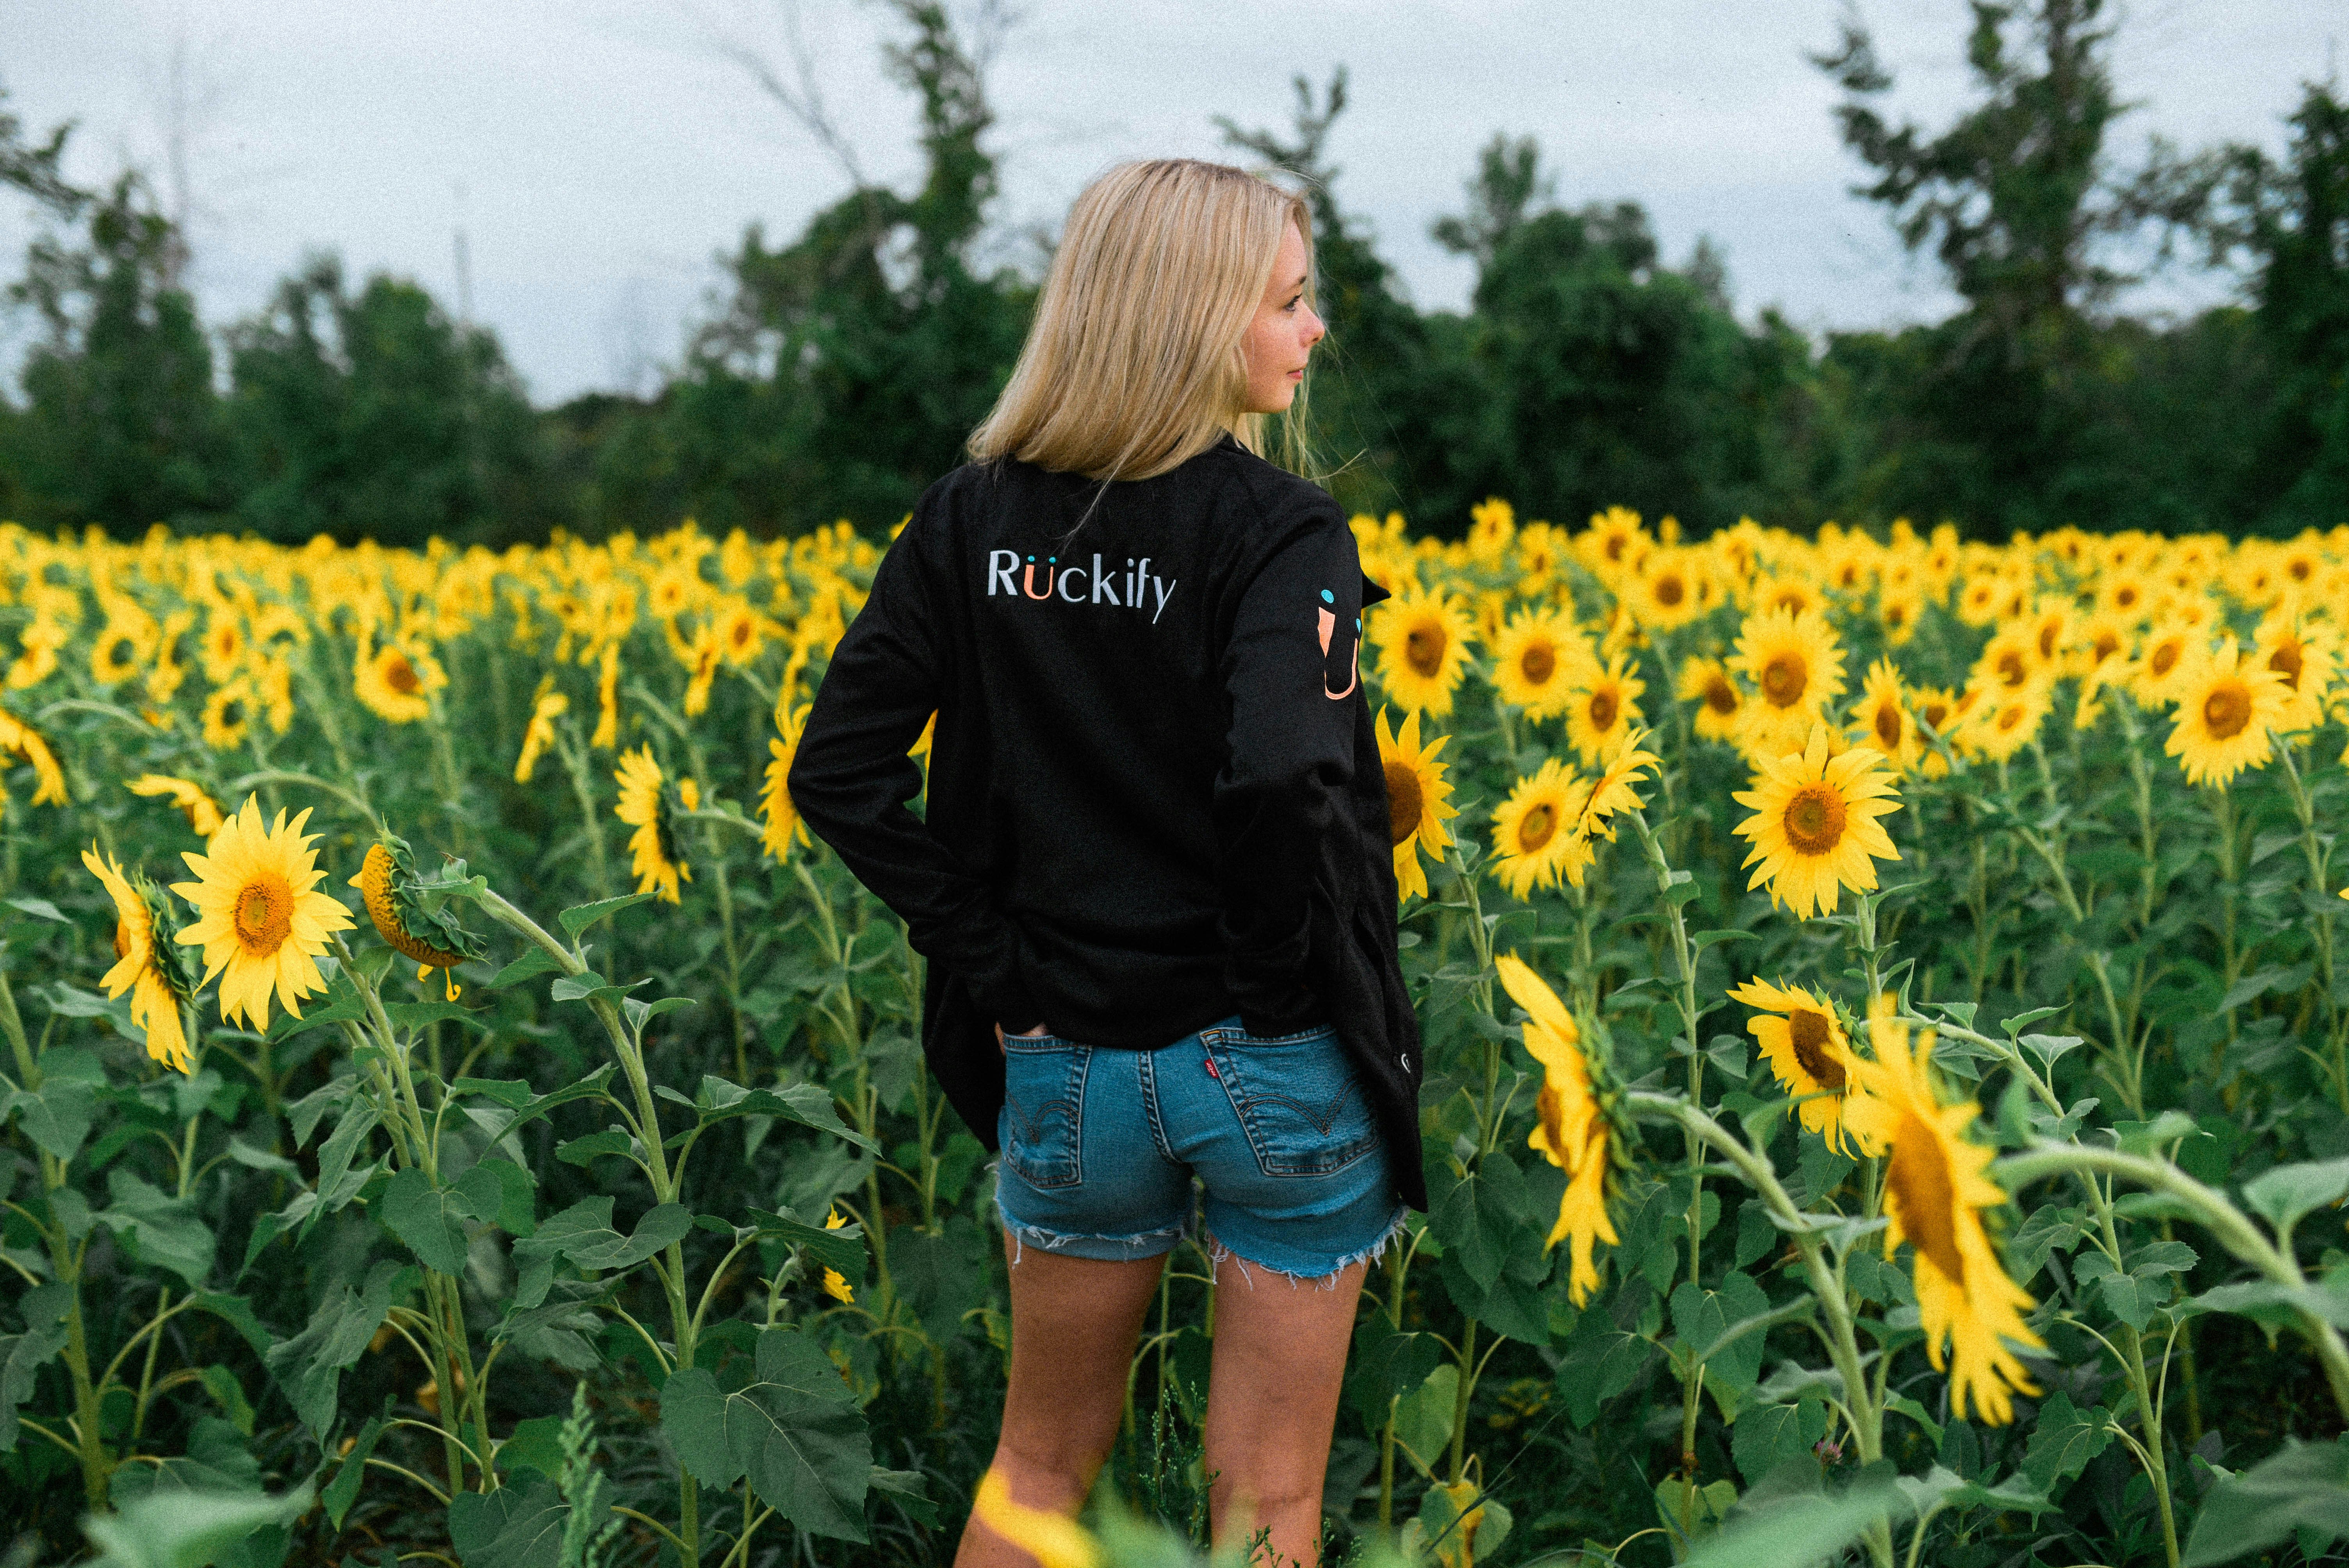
pixel 2321 893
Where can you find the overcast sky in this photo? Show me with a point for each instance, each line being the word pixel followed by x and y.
pixel 597 154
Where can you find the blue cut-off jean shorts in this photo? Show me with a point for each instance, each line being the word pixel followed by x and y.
pixel 1099 1147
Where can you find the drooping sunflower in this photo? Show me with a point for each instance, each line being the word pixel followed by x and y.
pixel 1615 789
pixel 397 683
pixel 1570 1129
pixel 645 806
pixel 203 814
pixel 1605 709
pixel 1814 824
pixel 1534 840
pixel 257 916
pixel 1707 683
pixel 154 972
pixel 1418 800
pixel 1537 658
pixel 783 826
pixel 1882 719
pixel 1796 670
pixel 433 938
pixel 1810 1056
pixel 1934 1192
pixel 545 707
pixel 2228 703
pixel 1423 643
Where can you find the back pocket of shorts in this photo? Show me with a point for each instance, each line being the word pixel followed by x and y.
pixel 1298 1101
pixel 1043 1109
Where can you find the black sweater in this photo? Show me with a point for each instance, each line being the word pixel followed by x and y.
pixel 1154 797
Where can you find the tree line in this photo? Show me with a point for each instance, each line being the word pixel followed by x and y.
pixel 848 363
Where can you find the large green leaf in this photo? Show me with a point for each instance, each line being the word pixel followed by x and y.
pixel 526 1103
pixel 175 1529
pixel 2285 1193
pixel 217 1460
pixel 1768 1436
pixel 794 1431
pixel 158 1230
pixel 309 1367
pixel 583 1234
pixel 2305 1487
pixel 2065 1440
pixel 22 1356
pixel 514 1527
pixel 430 1221
pixel 1802 1531
pixel 808 1104
pixel 55 1117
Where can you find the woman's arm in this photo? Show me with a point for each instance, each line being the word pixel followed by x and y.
pixel 1290 672
pixel 852 777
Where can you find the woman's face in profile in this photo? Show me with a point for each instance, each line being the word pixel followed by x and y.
pixel 1283 333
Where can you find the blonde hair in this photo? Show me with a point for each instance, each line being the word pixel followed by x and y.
pixel 1135 361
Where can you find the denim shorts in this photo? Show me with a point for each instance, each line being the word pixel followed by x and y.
pixel 1099 1147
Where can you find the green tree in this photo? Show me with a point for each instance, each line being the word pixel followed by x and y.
pixel 372 414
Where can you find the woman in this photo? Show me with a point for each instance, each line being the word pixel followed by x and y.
pixel 1153 876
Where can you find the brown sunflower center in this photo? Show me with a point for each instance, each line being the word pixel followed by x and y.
pixel 1887 725
pixel 1603 709
pixel 1896 616
pixel 1783 678
pixel 741 633
pixel 1537 663
pixel 2107 645
pixel 2300 569
pixel 1670 591
pixel 2047 635
pixel 2227 711
pixel 1808 1033
pixel 232 713
pixel 2165 657
pixel 2011 670
pixel 1815 820
pixel 122 652
pixel 1924 1194
pixel 1935 713
pixel 265 914
pixel 2286 661
pixel 1536 828
pixel 1405 801
pixel 1720 696
pixel 2010 717
pixel 402 677
pixel 1422 650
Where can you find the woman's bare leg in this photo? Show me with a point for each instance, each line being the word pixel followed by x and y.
pixel 1279 1361
pixel 1074 1322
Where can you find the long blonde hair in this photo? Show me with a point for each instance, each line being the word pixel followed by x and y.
pixel 1135 363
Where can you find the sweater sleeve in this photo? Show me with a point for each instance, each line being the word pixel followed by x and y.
pixel 1291 673
pixel 852 777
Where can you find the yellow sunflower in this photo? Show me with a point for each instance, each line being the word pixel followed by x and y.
pixel 1570 1129
pixel 2226 705
pixel 645 806
pixel 1934 1193
pixel 1534 840
pixel 228 715
pixel 2004 723
pixel 2161 660
pixel 545 707
pixel 703 657
pixel 1796 670
pixel 1812 1059
pixel 2305 653
pixel 1814 824
pixel 1667 590
pixel 123 645
pixel 257 917
pixel 202 811
pixel 783 826
pixel 1898 612
pixel 1613 790
pixel 151 972
pixel 1423 643
pixel 607 701
pixel 1882 720
pixel 1418 800
pixel 1537 658
pixel 397 683
pixel 1605 710
pixel 21 740
pixel 1707 683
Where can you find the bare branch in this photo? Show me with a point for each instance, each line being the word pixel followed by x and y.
pixel 798 94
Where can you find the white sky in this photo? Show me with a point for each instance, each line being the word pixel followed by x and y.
pixel 599 153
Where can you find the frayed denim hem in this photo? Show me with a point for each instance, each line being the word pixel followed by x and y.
pixel 1369 1255
pixel 1141 1244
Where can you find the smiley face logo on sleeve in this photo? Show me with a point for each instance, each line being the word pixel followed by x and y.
pixel 1348 655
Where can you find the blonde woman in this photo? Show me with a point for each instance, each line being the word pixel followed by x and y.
pixel 1152 876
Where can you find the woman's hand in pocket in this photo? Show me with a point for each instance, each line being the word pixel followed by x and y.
pixel 1038 1032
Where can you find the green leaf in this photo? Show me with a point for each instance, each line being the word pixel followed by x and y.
pixel 2065 1440
pixel 583 1234
pixel 55 1117
pixel 794 1432
pixel 343 1144
pixel 2284 1194
pixel 559 1327
pixel 42 908
pixel 158 1231
pixel 595 1145
pixel 2305 1487
pixel 842 1249
pixel 534 961
pixel 526 1103
pixel 1917 1413
pixel 309 1367
pixel 497 1191
pixel 432 1222
pixel 189 1530
pixel 343 1002
pixel 536 1445
pixel 217 1460
pixel 588 986
pixel 1799 1532
pixel 580 916
pixel 2010 1026
pixel 344 1490
pixel 1768 1436
pixel 1423 1417
pixel 22 1356
pixel 415 1015
pixel 1704 1508
pixel 639 1014
pixel 808 1104
pixel 512 1527
pixel 906 1486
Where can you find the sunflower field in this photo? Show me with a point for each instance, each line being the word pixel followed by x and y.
pixel 1888 1093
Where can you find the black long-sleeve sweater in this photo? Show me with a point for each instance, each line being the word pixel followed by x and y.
pixel 1155 797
